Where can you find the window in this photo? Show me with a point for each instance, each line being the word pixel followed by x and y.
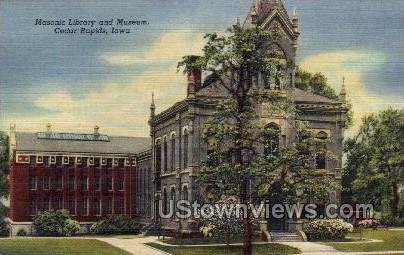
pixel 165 201
pixel 97 184
pixel 185 193
pixel 165 155
pixel 97 162
pixel 32 207
pixel 109 206
pixel 84 162
pixel 46 182
pixel 172 198
pixel 46 204
pixel 158 164
pixel 120 184
pixel 46 160
pixel 121 162
pixel 110 183
pixel 58 203
pixel 185 149
pixel 72 183
pixel 71 162
pixel 32 182
pixel 97 206
pixel 58 161
pixel 84 206
pixel 109 162
pixel 32 160
pixel 173 152
pixel 84 182
pixel 72 206
pixel 271 133
pixel 120 206
pixel 321 150
pixel 58 182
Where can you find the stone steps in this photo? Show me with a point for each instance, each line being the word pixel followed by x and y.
pixel 285 237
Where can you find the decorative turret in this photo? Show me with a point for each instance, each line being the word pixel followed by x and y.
pixel 254 15
pixel 152 108
pixel 342 94
pixel 295 21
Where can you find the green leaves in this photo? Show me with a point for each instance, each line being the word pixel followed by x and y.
pixel 375 158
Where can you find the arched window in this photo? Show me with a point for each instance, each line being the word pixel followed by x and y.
pixel 157 152
pixel 321 150
pixel 173 152
pixel 165 201
pixel 272 132
pixel 185 148
pixel 172 197
pixel 185 193
pixel 165 154
pixel 273 78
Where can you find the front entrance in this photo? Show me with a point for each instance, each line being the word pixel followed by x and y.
pixel 275 200
pixel 277 225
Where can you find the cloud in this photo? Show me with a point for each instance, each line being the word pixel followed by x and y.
pixel 168 47
pixel 120 107
pixel 353 65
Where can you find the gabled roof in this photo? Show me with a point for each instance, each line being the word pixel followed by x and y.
pixel 303 96
pixel 115 145
pixel 263 8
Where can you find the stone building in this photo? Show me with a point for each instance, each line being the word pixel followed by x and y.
pixel 178 146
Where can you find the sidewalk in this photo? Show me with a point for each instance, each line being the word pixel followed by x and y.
pixel 134 246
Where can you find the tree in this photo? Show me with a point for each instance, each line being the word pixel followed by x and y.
pixel 236 164
pixel 316 83
pixel 375 165
pixel 4 154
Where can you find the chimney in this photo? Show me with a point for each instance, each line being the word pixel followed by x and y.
pixel 96 130
pixel 12 141
pixel 48 128
pixel 194 82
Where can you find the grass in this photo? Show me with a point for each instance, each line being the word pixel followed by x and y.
pixel 258 249
pixel 393 241
pixel 56 246
pixel 196 241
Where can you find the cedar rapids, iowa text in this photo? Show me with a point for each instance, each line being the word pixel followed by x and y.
pixel 89 26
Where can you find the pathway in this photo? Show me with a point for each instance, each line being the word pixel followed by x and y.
pixel 134 246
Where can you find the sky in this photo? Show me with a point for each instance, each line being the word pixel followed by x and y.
pixel 76 81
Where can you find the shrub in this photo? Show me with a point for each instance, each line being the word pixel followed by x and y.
pixel 21 232
pixel 327 229
pixel 115 225
pixel 55 223
pixel 392 221
pixel 3 228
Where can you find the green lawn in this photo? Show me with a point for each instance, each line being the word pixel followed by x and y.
pixel 393 241
pixel 56 246
pixel 196 241
pixel 258 249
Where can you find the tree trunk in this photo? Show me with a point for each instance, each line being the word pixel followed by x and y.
pixel 247 230
pixel 395 200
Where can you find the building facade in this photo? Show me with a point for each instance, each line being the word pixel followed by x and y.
pixel 95 175
pixel 178 145
pixel 90 175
